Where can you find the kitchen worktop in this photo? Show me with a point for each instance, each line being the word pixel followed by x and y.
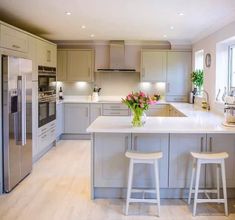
pixel 196 121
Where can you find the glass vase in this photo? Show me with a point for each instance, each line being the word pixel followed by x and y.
pixel 138 119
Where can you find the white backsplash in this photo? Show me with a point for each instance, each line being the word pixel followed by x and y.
pixel 112 84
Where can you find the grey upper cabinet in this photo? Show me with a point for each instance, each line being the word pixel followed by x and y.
pixel 95 111
pixel 153 65
pixel 80 65
pixel 110 162
pixel 179 69
pixel 144 174
pixel 61 73
pixel 180 160
pixel 76 118
pixel 221 143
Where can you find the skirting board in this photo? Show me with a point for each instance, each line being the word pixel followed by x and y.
pixel 75 137
pixel 120 193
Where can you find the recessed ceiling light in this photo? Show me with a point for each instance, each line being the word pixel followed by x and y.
pixel 165 36
pixel 92 35
pixel 181 14
pixel 172 27
pixel 83 26
pixel 68 13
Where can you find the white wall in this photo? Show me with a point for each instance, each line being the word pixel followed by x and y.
pixel 208 44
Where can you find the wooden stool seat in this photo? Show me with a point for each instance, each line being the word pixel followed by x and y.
pixel 210 156
pixel 143 156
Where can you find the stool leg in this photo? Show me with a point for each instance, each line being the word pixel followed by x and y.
pixel 224 187
pixel 157 185
pixel 191 183
pixel 218 184
pixel 130 177
pixel 198 170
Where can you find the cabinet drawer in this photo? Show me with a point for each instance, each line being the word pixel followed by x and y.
pixel 116 112
pixel 114 106
pixel 13 39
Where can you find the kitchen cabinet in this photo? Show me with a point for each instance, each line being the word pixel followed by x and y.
pixel 178 74
pixel 221 143
pixel 158 110
pixel 153 66
pixel 35 118
pixel 180 160
pixel 80 65
pixel 61 65
pixel 59 120
pixel 46 54
pixel 110 163
pixel 76 118
pixel 46 137
pixel 144 174
pixel 95 111
pixel 13 39
pixel 115 109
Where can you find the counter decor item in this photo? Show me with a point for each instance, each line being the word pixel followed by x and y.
pixel 197 79
pixel 138 103
pixel 95 94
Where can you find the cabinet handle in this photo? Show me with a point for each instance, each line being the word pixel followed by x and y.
pixel 143 72
pixel 126 143
pixel 202 139
pixel 48 56
pixel 135 143
pixel 210 144
pixel 15 46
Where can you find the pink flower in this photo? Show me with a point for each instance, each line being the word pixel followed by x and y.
pixel 128 97
pixel 142 94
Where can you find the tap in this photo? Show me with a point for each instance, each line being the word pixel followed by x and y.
pixel 207 100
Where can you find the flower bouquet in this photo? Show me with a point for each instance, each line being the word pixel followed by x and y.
pixel 138 102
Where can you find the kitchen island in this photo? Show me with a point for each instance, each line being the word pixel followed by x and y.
pixel 176 137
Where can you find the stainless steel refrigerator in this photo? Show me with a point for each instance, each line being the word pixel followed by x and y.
pixel 17 120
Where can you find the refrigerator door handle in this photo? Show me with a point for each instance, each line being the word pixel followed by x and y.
pixel 24 109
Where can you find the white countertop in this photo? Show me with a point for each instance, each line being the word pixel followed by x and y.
pixel 197 121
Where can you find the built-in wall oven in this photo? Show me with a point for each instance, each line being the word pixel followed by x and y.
pixel 46 95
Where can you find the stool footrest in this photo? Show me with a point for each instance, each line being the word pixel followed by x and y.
pixel 210 200
pixel 206 191
pixel 143 191
pixel 143 200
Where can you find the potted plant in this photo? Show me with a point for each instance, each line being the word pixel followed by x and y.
pixel 138 102
pixel 197 79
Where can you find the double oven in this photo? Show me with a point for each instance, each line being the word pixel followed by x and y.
pixel 46 95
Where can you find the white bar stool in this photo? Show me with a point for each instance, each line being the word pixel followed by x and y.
pixel 143 158
pixel 208 158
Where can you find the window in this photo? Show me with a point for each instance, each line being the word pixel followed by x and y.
pixel 231 75
pixel 199 58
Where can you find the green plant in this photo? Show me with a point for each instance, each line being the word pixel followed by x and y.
pixel 198 78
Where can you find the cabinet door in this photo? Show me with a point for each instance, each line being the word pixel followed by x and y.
pixel 161 110
pixel 221 143
pixel 35 118
pixel 59 119
pixel 76 118
pixel 61 65
pixel 80 65
pixel 180 160
pixel 153 66
pixel 95 111
pixel 144 174
pixel 110 162
pixel 178 74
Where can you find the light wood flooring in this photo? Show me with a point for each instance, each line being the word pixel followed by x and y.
pixel 59 189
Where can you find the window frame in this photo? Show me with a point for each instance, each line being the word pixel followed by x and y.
pixel 231 51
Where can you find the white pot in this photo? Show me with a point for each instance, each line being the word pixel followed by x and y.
pixel 95 97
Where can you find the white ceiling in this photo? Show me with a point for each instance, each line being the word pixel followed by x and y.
pixel 119 19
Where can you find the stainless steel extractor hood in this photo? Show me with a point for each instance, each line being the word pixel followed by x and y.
pixel 116 58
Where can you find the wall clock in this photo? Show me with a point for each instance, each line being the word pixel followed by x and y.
pixel 208 60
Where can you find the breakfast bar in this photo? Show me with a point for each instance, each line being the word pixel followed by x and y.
pixel 176 137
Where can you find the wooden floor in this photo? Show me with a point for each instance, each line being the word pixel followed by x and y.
pixel 58 189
